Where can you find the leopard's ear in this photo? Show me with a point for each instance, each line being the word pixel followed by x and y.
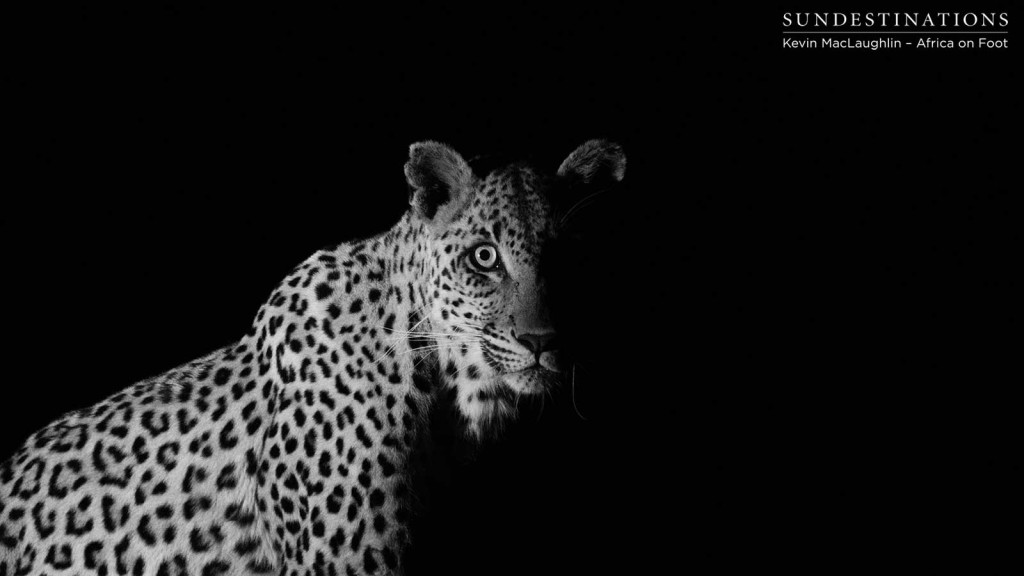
pixel 595 162
pixel 440 181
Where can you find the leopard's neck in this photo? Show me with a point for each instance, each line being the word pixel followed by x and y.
pixel 344 344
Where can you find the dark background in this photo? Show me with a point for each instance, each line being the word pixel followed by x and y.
pixel 790 318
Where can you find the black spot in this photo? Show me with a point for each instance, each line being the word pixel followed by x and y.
pixel 198 541
pixel 119 549
pixel 92 550
pixel 421 382
pixel 139 449
pixel 74 528
pixel 216 568
pixel 227 439
pixel 193 505
pixel 253 426
pixel 361 435
pixel 379 523
pixel 325 464
pixel 145 531
pixel 180 567
pixel 246 546
pixel 386 467
pixel 376 498
pixel 335 499
pixel 235 514
pixel 357 537
pixel 323 291
pixel 261 566
pixel 337 541
pixel 369 564
pixel 222 376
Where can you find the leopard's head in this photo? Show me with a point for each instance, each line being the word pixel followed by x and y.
pixel 489 238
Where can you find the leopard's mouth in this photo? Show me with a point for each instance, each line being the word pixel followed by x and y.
pixel 520 371
pixel 533 379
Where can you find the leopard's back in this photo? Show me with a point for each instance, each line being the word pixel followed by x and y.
pixel 150 480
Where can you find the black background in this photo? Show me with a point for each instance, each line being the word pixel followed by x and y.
pixel 790 317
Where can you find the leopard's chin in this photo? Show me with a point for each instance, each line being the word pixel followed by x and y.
pixel 533 380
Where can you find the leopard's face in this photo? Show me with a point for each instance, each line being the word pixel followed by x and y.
pixel 490 240
pixel 490 310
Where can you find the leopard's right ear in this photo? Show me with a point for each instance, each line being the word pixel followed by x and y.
pixel 440 181
pixel 593 168
pixel 594 163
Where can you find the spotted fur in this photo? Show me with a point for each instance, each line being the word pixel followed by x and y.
pixel 287 452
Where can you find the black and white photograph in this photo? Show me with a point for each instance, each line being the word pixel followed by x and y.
pixel 525 289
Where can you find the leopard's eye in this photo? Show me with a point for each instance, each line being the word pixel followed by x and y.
pixel 484 257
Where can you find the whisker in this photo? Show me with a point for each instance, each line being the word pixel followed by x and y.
pixel 586 201
pixel 438 338
pixel 419 310
pixel 399 333
pixel 574 407
pixel 432 347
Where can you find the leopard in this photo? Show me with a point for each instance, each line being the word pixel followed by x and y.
pixel 288 452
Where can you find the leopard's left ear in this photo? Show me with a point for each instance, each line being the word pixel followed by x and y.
pixel 596 162
pixel 440 181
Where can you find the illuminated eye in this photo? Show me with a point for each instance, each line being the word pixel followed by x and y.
pixel 485 257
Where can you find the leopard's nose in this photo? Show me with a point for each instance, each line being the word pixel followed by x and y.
pixel 538 343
